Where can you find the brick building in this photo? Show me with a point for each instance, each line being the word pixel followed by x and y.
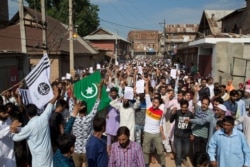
pixel 145 42
pixel 176 36
pixel 105 42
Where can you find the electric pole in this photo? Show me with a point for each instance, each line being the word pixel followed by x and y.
pixel 22 27
pixel 164 37
pixel 71 44
pixel 116 45
pixel 164 31
pixel 44 26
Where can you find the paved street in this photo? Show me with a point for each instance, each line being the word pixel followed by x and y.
pixel 170 163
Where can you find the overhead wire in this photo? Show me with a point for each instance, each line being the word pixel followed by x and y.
pixel 119 12
pixel 136 13
pixel 121 25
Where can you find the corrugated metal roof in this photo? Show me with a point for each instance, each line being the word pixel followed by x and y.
pixel 107 35
pixel 182 28
pixel 57 36
pixel 213 18
pixel 217 14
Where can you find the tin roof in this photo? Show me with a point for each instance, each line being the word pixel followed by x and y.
pixel 103 34
pixel 57 35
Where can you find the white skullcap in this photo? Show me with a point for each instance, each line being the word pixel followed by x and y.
pixel 222 107
pixel 247 90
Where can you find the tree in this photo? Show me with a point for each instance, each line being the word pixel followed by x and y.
pixel 85 14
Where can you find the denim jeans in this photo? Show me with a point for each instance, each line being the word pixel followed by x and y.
pixel 182 146
pixel 138 134
pixel 199 147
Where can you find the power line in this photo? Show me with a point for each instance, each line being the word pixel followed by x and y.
pixel 137 11
pixel 121 25
pixel 124 16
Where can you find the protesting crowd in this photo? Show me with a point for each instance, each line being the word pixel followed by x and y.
pixel 128 115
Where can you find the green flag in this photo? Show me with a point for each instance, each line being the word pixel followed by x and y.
pixel 87 90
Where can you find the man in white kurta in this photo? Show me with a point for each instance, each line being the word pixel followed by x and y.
pixel 7 155
pixel 127 115
pixel 37 134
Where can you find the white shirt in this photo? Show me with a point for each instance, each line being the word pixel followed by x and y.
pixel 245 120
pixel 127 117
pixel 7 155
pixel 37 133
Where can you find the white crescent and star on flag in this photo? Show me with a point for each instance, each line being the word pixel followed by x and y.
pixel 91 91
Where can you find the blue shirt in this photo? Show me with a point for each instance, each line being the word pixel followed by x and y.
pixel 229 151
pixel 96 152
pixel 61 161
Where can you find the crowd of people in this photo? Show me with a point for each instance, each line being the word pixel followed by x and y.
pixel 172 110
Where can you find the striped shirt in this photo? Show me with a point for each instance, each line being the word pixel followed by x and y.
pixel 154 117
pixel 132 156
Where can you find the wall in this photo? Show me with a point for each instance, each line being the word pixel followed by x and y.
pixel 105 45
pixel 225 66
pixel 54 65
pixel 12 69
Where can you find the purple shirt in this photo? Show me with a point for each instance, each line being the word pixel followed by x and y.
pixel 112 121
pixel 132 156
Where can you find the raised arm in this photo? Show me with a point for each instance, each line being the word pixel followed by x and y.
pixel 95 108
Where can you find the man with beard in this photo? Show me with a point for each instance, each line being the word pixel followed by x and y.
pixel 125 152
pixel 231 103
pixel 127 114
pixel 204 90
pixel 112 119
pixel 7 154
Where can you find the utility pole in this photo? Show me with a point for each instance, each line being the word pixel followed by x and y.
pixel 164 36
pixel 116 34
pixel 44 26
pixel 71 44
pixel 164 31
pixel 22 27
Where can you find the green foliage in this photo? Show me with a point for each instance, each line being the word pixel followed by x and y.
pixel 85 14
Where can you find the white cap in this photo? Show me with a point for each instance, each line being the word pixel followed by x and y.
pixel 247 90
pixel 222 107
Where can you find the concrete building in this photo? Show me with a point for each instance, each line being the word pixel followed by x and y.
pixel 105 42
pixel 177 35
pixel 144 42
pixel 222 49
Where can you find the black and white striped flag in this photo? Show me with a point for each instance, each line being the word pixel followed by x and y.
pixel 25 95
pixel 38 84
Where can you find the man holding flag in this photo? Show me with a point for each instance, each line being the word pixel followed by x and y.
pixel 94 97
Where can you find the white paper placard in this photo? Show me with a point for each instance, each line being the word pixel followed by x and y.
pixel 116 63
pixel 128 93
pixel 63 78
pixel 140 86
pixel 68 76
pixel 91 70
pixel 98 66
pixel 173 73
pixel 140 69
